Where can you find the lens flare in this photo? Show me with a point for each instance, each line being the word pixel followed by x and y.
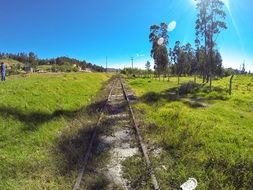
pixel 172 25
pixel 160 41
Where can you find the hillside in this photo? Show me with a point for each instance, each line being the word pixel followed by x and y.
pixel 62 63
pixel 9 62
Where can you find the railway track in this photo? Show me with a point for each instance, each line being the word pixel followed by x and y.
pixel 116 132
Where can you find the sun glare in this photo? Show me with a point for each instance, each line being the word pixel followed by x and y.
pixel 226 2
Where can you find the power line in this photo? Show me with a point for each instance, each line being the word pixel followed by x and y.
pixel 132 59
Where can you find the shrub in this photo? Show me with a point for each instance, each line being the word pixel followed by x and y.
pixel 189 87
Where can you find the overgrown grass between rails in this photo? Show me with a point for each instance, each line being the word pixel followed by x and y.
pixel 135 171
pixel 45 124
pixel 212 143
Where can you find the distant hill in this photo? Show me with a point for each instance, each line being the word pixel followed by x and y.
pixel 9 62
pixel 113 70
pixel 62 63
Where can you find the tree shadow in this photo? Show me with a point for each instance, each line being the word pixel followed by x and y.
pixel 116 109
pixel 73 145
pixel 32 121
pixel 191 94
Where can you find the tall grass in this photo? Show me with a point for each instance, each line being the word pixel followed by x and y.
pixel 212 143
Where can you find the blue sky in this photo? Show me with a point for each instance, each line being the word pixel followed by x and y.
pixel 119 29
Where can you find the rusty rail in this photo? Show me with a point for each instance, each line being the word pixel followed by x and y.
pixel 141 142
pixel 88 152
pixel 94 135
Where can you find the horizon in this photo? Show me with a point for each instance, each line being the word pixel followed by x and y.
pixel 94 30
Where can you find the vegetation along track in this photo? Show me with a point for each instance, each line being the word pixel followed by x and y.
pixel 115 138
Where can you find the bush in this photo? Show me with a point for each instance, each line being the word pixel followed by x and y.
pixel 75 69
pixel 189 87
pixel 151 97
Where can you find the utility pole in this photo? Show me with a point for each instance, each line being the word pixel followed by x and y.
pixel 132 59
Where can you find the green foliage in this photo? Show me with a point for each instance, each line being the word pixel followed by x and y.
pixel 210 21
pixel 135 72
pixel 189 87
pixel 211 143
pixel 15 69
pixel 159 52
pixel 184 59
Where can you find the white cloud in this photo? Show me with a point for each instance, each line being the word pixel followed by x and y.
pixel 172 25
pixel 140 55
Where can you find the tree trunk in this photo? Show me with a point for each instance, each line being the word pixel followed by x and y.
pixel 211 54
pixel 204 79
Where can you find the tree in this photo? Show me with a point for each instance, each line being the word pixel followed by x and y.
pixel 147 66
pixel 159 52
pixel 162 59
pixel 218 70
pixel 178 59
pixel 209 23
pixel 189 60
pixel 243 69
pixel 32 57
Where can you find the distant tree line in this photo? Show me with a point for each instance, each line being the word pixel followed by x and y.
pixel 58 64
pixel 148 73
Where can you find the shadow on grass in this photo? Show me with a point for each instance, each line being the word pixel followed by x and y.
pixel 73 146
pixel 34 120
pixel 192 94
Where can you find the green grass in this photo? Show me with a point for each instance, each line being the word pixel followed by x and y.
pixel 212 143
pixel 44 122
pixel 44 67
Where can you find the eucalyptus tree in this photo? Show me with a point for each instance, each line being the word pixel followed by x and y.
pixel 177 57
pixel 210 21
pixel 147 67
pixel 33 60
pixel 243 71
pixel 218 69
pixel 159 52
pixel 189 65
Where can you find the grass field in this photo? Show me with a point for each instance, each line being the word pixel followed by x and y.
pixel 200 134
pixel 44 122
pixel 45 67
